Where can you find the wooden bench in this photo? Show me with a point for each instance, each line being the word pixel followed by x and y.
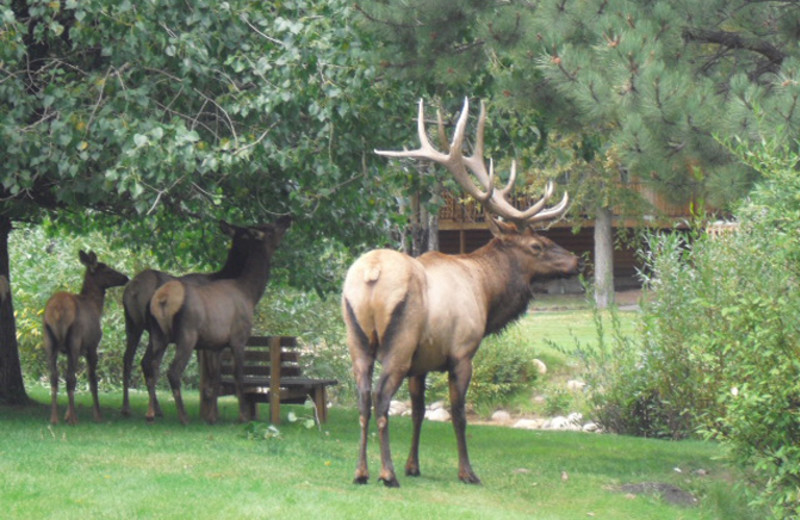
pixel 261 383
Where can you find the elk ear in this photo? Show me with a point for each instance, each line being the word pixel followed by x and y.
pixel 499 228
pixel 227 229
pixel 284 222
pixel 88 259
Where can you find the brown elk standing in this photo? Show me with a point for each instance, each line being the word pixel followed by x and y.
pixel 430 314
pixel 72 326
pixel 141 288
pixel 212 316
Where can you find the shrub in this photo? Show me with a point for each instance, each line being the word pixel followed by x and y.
pixel 719 347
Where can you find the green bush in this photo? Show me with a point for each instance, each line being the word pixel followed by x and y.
pixel 719 348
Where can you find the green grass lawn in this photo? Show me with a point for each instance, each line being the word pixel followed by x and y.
pixel 125 468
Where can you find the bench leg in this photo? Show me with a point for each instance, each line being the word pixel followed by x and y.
pixel 252 407
pixel 321 403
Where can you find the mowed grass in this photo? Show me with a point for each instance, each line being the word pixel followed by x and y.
pixel 125 468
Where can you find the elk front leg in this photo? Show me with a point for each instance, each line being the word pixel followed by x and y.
pixel 133 333
pixel 416 389
pixel 91 363
pixel 459 378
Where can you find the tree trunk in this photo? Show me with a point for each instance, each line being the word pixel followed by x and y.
pixel 603 259
pixel 12 389
pixel 433 231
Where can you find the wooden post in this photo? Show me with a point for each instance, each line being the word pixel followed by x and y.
pixel 275 379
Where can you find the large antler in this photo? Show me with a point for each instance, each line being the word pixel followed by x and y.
pixel 493 199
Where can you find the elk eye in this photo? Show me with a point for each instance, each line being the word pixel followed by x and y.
pixel 536 248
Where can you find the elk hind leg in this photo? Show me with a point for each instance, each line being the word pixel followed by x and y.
pixel 151 364
pixel 183 352
pixel 416 389
pixel 71 378
pixel 362 370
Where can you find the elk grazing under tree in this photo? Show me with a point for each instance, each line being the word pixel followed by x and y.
pixel 72 326
pixel 137 295
pixel 210 317
pixel 418 315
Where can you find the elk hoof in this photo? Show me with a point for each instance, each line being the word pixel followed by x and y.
pixel 469 478
pixel 390 482
pixel 360 480
pixel 412 471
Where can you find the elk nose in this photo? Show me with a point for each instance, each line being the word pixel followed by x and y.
pixel 581 264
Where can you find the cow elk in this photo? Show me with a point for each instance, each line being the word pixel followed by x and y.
pixel 137 295
pixel 418 315
pixel 211 316
pixel 72 326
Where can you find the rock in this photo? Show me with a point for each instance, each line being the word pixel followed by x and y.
pixel 398 408
pixel 541 368
pixel 575 418
pixel 560 423
pixel 591 427
pixel 439 414
pixel 528 424
pixel 501 416
pixel 437 405
pixel 575 385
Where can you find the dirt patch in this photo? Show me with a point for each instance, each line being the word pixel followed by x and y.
pixel 668 492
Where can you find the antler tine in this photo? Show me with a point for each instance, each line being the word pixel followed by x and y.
pixel 459 166
pixel 551 213
pixel 453 160
pixel 426 149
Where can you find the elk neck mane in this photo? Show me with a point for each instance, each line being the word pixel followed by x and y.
pixel 506 287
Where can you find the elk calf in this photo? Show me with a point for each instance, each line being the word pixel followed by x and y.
pixel 72 326
pixel 419 315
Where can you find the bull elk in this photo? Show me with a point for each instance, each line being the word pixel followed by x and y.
pixel 418 315
pixel 72 326
pixel 211 316
pixel 141 288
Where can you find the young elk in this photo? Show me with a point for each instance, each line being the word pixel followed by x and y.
pixel 141 288
pixel 210 317
pixel 417 315
pixel 72 326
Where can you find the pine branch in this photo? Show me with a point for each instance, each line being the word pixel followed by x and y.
pixel 731 40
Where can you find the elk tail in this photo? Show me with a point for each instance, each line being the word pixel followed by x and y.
pixel 165 304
